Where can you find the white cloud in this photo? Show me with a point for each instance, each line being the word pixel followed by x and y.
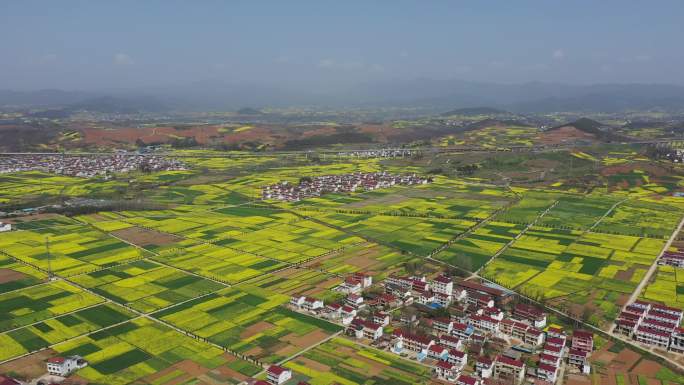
pixel 282 59
pixel 48 58
pixel 403 54
pixel 349 65
pixel 326 63
pixel 606 68
pixel 461 69
pixel 558 54
pixel 122 59
pixel 536 67
pixel 496 64
pixel 642 58
pixel 377 68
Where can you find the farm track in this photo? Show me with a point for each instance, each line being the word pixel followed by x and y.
pixel 139 315
pixel 590 229
pixel 654 266
pixel 520 234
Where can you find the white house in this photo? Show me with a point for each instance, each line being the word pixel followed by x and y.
pixel 277 374
pixel 306 303
pixel 451 342
pixel 365 329
pixel 484 367
pixel 61 366
pixel 347 313
pixel 443 284
pixel 458 358
pixel 381 318
pixel 297 300
pixel 355 301
pixel 5 227
pixel 446 371
pixel 438 352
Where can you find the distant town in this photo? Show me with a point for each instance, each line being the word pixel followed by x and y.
pixel 87 166
pixel 344 183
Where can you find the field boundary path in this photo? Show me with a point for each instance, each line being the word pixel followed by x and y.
pixel 610 210
pixel 654 266
pixel 477 226
pixel 520 234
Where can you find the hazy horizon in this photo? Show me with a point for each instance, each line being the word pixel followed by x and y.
pixel 323 45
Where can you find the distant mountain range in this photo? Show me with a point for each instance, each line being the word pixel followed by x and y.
pixel 475 111
pixel 431 95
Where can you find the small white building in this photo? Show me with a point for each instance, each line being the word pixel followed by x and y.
pixel 5 227
pixel 63 366
pixel 277 375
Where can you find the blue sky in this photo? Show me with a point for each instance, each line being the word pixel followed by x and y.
pixel 127 44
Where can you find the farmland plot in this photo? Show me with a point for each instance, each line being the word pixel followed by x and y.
pixel 73 249
pixel 55 330
pixel 342 361
pixel 146 286
pixel 249 320
pixel 368 257
pixel 216 262
pixel 580 271
pixel 37 303
pixel 16 275
pixel 413 234
pixel 578 212
pixel 642 218
pixel 473 251
pixel 137 351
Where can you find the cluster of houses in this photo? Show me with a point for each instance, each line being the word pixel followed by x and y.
pixel 474 317
pixel 87 166
pixel 381 153
pixel 652 324
pixel 672 258
pixel 342 183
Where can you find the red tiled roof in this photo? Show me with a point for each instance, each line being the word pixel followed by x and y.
pixel 548 357
pixel 663 307
pixel 449 338
pixel 56 360
pixel 577 352
pixel 656 323
pixel 645 330
pixel 547 367
pixel 443 279
pixel 460 326
pixel 476 286
pixel 509 361
pixel 657 313
pixel 467 380
pixel 277 370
